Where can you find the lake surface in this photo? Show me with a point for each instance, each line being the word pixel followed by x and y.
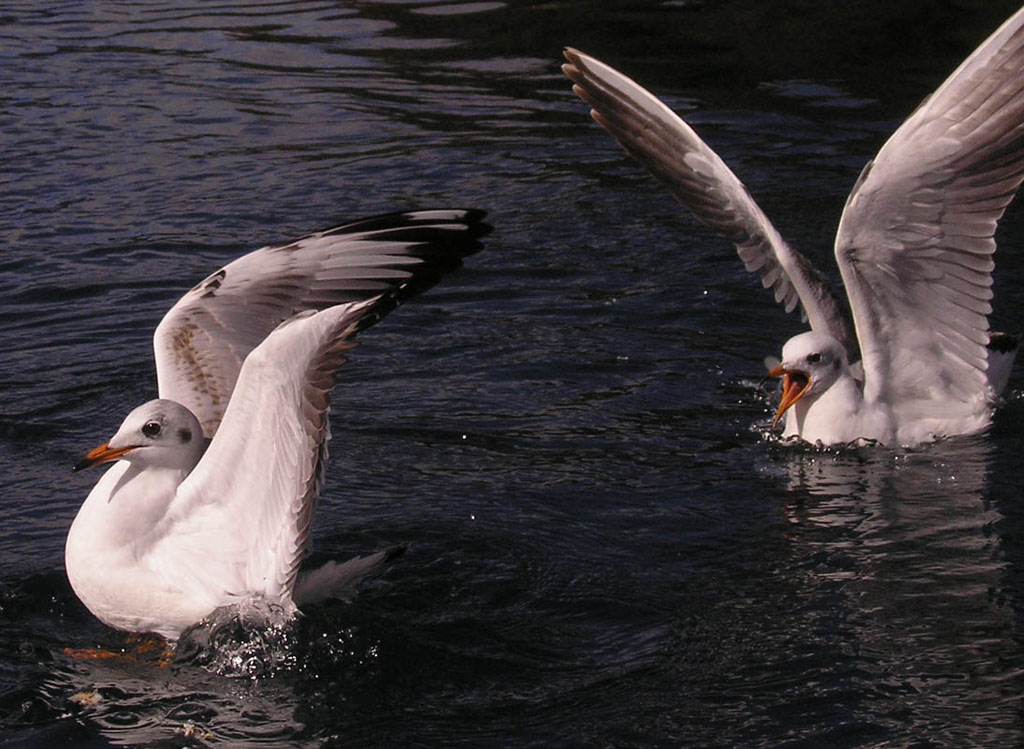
pixel 607 546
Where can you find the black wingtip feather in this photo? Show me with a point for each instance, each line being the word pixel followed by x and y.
pixel 441 239
pixel 403 223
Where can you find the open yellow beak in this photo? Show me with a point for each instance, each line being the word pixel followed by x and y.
pixel 794 385
pixel 102 454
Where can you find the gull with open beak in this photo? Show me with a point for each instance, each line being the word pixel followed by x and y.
pixel 209 501
pixel 915 243
pixel 822 396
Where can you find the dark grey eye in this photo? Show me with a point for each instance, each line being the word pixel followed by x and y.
pixel 814 358
pixel 151 429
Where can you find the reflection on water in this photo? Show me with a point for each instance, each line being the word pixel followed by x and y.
pixel 903 545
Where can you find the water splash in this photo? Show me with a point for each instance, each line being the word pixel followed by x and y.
pixel 253 638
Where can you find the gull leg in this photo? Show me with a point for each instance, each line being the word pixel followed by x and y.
pixel 139 649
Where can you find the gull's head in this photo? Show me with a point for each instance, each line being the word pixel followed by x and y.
pixel 160 433
pixel 811 362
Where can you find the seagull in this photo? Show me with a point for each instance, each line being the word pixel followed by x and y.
pixel 210 498
pixel 914 246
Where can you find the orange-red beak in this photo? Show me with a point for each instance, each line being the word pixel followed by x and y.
pixel 794 385
pixel 102 454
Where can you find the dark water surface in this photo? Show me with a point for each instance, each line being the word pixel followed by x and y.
pixel 571 434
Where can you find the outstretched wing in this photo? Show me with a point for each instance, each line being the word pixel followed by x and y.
pixel 203 339
pixel 240 522
pixel 651 133
pixel 916 238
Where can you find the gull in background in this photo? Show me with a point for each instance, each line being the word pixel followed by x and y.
pixel 210 502
pixel 914 247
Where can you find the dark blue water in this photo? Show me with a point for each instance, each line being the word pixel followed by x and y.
pixel 571 433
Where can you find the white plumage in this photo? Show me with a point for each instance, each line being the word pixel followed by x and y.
pixel 914 248
pixel 211 500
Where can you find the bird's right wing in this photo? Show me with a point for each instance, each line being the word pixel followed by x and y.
pixel 203 339
pixel 917 236
pixel 240 522
pixel 655 136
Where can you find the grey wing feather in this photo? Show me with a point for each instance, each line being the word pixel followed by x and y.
pixel 669 148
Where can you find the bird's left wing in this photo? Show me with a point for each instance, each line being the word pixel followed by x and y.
pixel 916 239
pixel 655 136
pixel 203 339
pixel 240 522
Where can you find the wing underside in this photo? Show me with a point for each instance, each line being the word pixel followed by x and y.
pixel 240 523
pixel 670 149
pixel 916 241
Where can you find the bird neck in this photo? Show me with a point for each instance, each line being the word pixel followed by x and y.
pixel 127 503
pixel 819 414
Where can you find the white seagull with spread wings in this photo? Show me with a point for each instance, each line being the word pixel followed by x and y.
pixel 915 250
pixel 212 497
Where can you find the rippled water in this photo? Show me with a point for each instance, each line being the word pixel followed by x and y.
pixel 605 547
